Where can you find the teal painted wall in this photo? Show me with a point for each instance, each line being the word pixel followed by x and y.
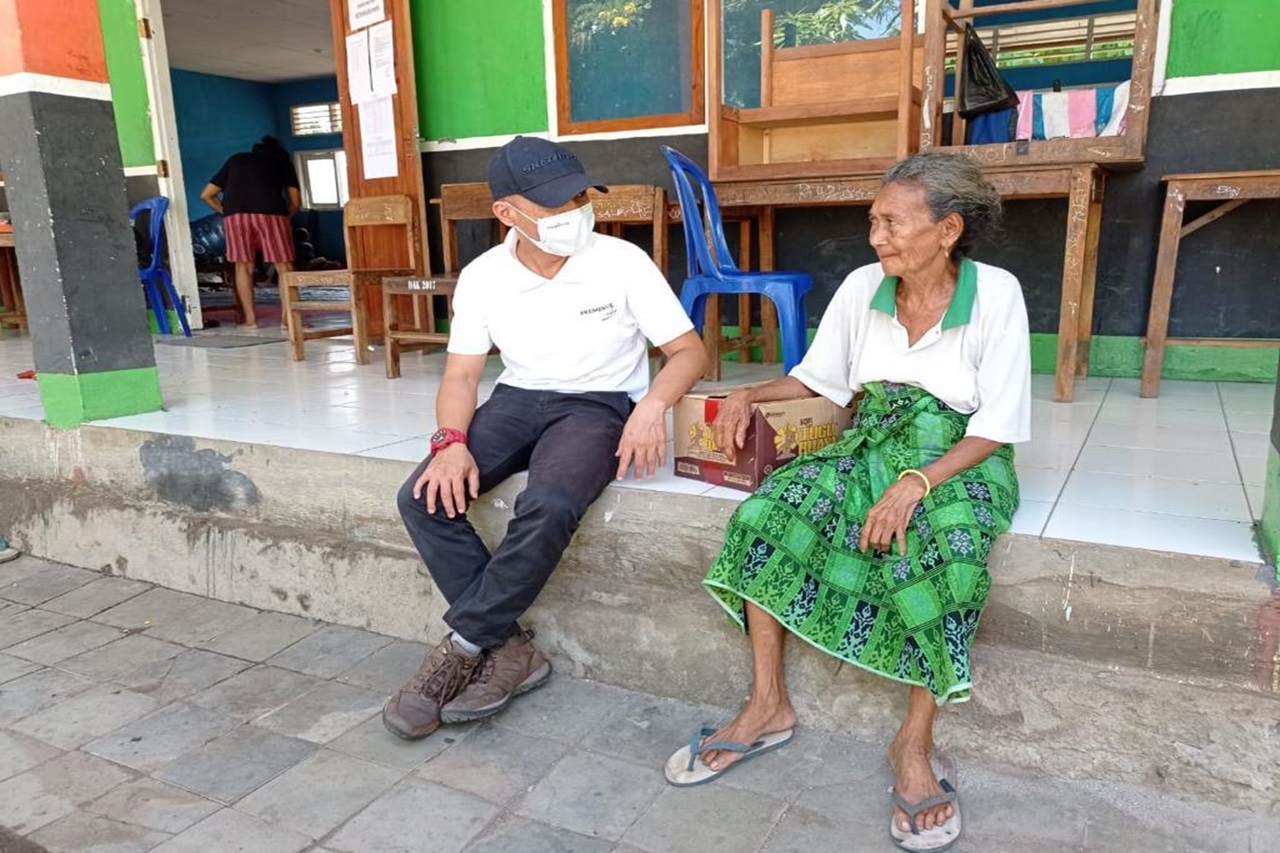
pixel 1223 37
pixel 325 225
pixel 217 117
pixel 479 67
pixel 129 97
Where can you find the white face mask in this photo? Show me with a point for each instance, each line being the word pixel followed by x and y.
pixel 563 234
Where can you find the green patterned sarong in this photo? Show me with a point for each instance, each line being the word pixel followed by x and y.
pixel 792 547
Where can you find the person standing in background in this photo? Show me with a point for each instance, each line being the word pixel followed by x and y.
pixel 257 193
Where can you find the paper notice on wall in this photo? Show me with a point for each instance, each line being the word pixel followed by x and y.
pixel 382 59
pixel 362 13
pixel 359 78
pixel 378 139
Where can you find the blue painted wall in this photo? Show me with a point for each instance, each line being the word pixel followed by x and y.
pixel 219 116
pixel 295 93
pixel 216 117
pixel 326 226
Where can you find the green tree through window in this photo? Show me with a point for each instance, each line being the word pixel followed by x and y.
pixel 628 58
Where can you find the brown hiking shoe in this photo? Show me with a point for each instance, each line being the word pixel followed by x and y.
pixel 516 668
pixel 413 711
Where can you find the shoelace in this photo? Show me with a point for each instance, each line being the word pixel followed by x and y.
pixel 486 667
pixel 445 679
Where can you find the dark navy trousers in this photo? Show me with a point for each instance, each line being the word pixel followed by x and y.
pixel 567 444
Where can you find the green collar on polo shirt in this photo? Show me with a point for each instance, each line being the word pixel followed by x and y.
pixel 958 312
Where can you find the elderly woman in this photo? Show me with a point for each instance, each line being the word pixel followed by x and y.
pixel 874 549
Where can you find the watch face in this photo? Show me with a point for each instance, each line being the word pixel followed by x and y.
pixel 438 436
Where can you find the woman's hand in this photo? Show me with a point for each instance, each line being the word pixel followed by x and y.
pixel 888 519
pixel 730 425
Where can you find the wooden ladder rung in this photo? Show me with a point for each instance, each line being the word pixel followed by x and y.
pixel 421 337
pixel 320 306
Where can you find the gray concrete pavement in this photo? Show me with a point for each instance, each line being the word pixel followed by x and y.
pixel 135 718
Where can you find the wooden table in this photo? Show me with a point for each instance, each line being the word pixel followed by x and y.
pixel 1232 189
pixel 15 309
pixel 420 292
pixel 1082 184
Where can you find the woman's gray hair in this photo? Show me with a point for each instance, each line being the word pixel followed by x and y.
pixel 952 183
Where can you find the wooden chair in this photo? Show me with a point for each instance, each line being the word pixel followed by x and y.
pixel 409 302
pixel 373 212
pixel 14 315
pixel 463 203
pixel 402 334
pixel 634 204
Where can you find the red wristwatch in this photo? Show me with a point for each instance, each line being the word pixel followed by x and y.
pixel 445 436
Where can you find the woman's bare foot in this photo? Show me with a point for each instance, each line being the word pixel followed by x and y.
pixel 914 780
pixel 248 324
pixel 753 721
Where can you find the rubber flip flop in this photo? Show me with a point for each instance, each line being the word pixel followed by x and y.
pixel 684 770
pixel 939 837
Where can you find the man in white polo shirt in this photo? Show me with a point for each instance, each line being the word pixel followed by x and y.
pixel 570 310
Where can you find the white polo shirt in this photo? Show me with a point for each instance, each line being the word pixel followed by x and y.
pixel 583 330
pixel 977 359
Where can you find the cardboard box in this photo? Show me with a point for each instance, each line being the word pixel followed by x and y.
pixel 779 432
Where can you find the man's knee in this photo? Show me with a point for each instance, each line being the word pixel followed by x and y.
pixel 553 505
pixel 411 508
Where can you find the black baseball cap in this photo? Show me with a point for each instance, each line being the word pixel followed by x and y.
pixel 547 174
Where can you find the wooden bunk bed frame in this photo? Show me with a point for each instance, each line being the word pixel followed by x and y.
pixel 840 108
pixel 897 105
pixel 1127 149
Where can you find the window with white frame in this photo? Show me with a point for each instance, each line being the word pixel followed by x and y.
pixel 323 176
pixel 316 119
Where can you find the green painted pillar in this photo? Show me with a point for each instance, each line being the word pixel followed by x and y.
pixel 1269 525
pixel 60 153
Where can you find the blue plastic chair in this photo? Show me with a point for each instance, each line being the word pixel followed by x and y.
pixel 156 281
pixel 717 274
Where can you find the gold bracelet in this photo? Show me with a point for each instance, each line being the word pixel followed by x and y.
pixel 928 487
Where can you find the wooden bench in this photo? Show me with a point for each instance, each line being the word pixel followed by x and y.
pixel 1232 189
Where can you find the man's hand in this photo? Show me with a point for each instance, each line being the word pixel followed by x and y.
pixel 731 423
pixel 888 519
pixel 644 440
pixel 449 477
pixel 210 195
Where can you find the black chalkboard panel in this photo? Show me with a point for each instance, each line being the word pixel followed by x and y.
pixel 1228 273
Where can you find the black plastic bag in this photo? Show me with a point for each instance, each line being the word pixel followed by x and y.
pixel 982 89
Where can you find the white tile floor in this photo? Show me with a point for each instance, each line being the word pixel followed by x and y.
pixel 1181 473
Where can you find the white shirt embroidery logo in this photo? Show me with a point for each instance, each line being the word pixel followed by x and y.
pixel 600 312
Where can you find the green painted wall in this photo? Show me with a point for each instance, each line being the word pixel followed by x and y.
pixel 128 81
pixel 1223 37
pixel 1116 355
pixel 1269 524
pixel 479 67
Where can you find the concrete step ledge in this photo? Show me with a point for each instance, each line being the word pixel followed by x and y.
pixel 1092 661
